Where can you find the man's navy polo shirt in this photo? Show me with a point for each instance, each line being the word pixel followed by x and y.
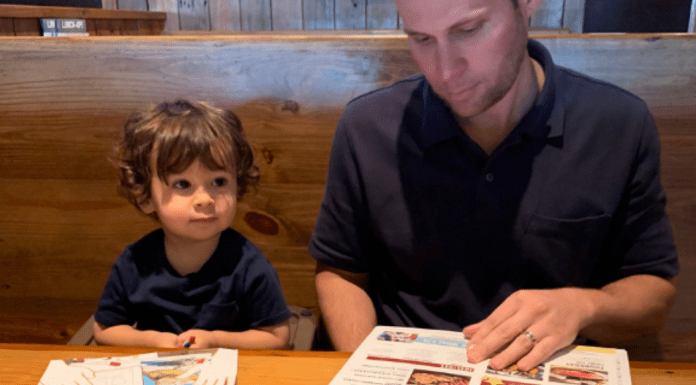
pixel 572 197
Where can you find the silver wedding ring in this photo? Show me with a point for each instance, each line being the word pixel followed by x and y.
pixel 529 335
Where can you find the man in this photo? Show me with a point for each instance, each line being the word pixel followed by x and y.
pixel 497 194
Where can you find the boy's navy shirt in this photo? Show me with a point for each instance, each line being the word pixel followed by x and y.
pixel 236 289
pixel 571 197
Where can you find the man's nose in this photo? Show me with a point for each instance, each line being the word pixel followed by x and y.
pixel 448 60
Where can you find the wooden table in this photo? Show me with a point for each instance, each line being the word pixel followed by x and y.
pixel 23 364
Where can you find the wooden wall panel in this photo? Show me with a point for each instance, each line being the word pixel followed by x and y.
pixel 287 15
pixel 62 223
pixel 256 15
pixel 6 26
pixel 548 15
pixel 350 14
pixel 194 15
pixel 318 14
pixel 27 27
pixel 133 5
pixel 107 27
pixel 382 14
pixel 113 4
pixel 171 8
pixel 573 15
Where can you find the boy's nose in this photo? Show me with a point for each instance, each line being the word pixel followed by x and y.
pixel 203 199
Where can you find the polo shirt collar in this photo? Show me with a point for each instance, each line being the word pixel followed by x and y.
pixel 544 119
pixel 439 123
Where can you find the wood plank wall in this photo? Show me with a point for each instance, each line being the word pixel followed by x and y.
pixel 62 223
pixel 22 20
pixel 286 15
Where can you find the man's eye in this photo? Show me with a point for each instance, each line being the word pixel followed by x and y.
pixel 181 184
pixel 422 39
pixel 465 31
pixel 220 182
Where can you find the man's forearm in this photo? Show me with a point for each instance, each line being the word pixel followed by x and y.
pixel 631 307
pixel 347 310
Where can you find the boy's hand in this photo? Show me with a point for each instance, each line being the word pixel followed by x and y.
pixel 202 339
pixel 164 340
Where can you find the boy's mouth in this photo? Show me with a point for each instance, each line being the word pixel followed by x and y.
pixel 204 220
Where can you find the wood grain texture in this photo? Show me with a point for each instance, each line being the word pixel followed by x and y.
pixel 194 15
pixel 350 14
pixel 24 20
pixel 171 9
pixel 109 4
pixel 573 15
pixel 73 12
pixel 7 26
pixel 548 15
pixel 26 26
pixel 382 14
pixel 25 363
pixel 287 15
pixel 318 14
pixel 256 15
pixel 62 102
pixel 132 5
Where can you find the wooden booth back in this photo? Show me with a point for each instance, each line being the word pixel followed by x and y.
pixel 62 102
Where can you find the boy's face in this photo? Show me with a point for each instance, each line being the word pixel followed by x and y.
pixel 195 205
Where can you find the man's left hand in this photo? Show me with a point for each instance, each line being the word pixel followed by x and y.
pixel 529 326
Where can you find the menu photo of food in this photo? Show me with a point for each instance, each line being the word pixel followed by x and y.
pixel 500 381
pixel 427 377
pixel 571 375
pixel 397 336
pixel 536 373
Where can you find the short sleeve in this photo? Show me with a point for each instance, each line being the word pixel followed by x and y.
pixel 341 235
pixel 264 299
pixel 114 307
pixel 646 243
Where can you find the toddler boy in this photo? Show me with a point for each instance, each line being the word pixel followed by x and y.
pixel 194 282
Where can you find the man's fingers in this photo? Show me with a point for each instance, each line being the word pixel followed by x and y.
pixel 520 346
pixel 471 330
pixel 542 350
pixel 486 343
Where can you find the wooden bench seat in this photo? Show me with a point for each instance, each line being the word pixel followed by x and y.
pixel 62 102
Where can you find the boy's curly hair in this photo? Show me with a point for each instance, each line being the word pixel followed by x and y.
pixel 177 134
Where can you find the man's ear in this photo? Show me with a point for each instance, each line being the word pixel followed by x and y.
pixel 147 207
pixel 528 7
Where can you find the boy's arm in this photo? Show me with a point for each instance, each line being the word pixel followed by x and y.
pixel 126 335
pixel 266 337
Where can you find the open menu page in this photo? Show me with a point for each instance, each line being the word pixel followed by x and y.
pixel 412 356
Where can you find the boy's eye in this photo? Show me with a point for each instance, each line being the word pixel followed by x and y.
pixel 181 184
pixel 220 182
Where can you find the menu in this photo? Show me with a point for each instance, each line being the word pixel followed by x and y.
pixel 171 368
pixel 411 356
